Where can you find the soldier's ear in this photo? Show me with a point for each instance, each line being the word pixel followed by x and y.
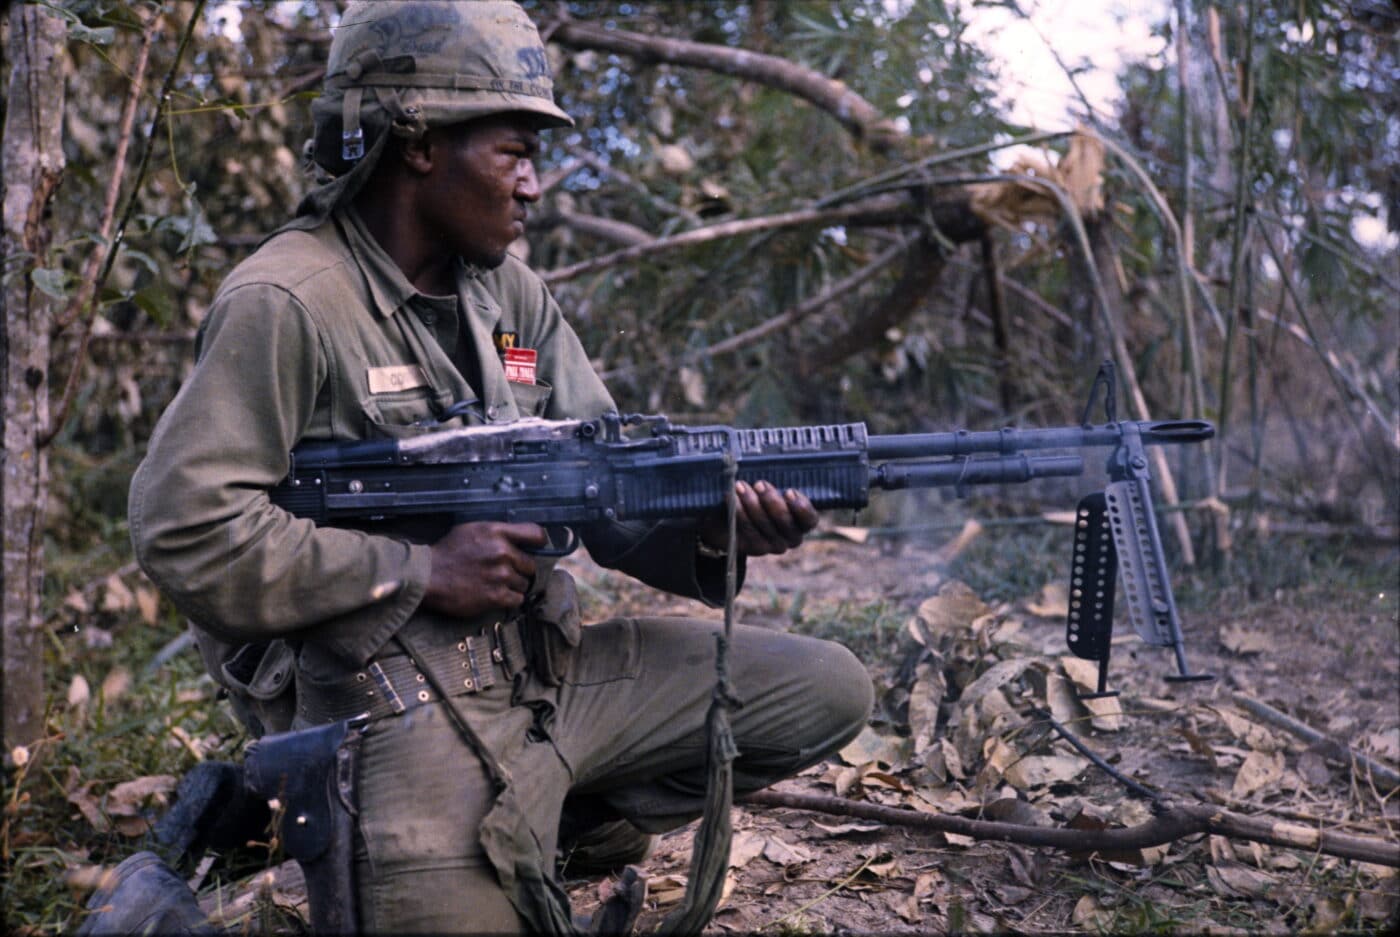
pixel 418 154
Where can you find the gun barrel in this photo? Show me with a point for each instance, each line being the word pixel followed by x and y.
pixel 957 472
pixel 1011 440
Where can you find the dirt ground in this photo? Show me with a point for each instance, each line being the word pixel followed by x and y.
pixel 942 740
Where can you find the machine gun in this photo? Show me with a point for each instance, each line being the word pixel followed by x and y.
pixel 571 473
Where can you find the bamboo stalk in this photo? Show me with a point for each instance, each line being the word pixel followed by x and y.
pixel 1188 194
pixel 1239 228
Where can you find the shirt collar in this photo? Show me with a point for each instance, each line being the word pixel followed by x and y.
pixel 388 286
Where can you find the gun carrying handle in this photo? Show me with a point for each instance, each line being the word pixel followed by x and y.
pixel 1177 431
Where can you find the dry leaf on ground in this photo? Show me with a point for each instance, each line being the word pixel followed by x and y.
pixel 1051 602
pixel 949 613
pixel 870 747
pixel 1243 641
pixel 1260 770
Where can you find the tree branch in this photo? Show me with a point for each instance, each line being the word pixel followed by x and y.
pixel 87 286
pixel 923 264
pixel 889 210
pixel 832 96
pixel 114 245
pixel 808 306
pixel 605 229
pixel 1172 824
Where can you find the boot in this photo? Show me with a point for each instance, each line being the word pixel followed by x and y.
pixel 602 848
pixel 143 896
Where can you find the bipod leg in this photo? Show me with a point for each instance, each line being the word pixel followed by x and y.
pixel 1148 589
pixel 1093 578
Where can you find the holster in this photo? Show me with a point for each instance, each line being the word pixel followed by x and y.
pixel 553 629
pixel 313 773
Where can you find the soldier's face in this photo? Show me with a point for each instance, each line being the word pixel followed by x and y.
pixel 481 185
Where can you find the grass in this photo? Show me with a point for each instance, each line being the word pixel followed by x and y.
pixel 109 720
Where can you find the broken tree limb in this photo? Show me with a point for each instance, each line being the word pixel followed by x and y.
pixel 236 905
pixel 1386 778
pixel 810 305
pixel 886 210
pixel 604 229
pixel 1173 823
pixel 923 264
pixel 854 112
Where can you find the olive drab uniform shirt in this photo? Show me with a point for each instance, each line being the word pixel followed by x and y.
pixel 318 335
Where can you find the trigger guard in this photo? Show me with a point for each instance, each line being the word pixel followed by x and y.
pixel 571 543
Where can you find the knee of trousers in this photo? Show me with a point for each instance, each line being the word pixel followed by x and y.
pixel 823 700
pixel 843 694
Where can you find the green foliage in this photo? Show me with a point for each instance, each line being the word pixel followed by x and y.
pixel 713 147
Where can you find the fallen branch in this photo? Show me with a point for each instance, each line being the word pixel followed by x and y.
pixel 923 264
pixel 1387 778
pixel 810 305
pixel 1173 823
pixel 853 111
pixel 873 211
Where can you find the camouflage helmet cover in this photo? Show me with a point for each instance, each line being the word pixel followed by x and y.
pixel 419 63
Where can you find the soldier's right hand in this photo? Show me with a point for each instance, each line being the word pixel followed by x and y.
pixel 482 567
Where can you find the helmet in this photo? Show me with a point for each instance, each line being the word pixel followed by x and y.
pixel 411 64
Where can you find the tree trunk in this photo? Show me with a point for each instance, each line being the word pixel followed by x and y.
pixel 32 159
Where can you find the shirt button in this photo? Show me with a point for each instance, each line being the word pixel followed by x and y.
pixel 429 318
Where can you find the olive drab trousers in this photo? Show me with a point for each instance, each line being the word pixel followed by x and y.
pixel 626 725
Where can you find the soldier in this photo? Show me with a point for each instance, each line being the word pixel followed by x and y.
pixel 389 299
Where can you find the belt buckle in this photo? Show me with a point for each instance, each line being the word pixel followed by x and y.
pixel 480 661
pixel 386 687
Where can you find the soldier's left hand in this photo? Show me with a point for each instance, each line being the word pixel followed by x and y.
pixel 769 521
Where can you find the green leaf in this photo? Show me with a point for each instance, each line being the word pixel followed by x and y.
pixel 51 281
pixel 155 303
pixel 102 36
pixel 145 260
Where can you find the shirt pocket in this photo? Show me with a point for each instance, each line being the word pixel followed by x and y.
pixel 403 413
pixel 530 399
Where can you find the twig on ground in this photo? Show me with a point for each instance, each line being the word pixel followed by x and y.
pixel 1133 787
pixel 1173 823
pixel 1328 747
pixel 1225 800
pixel 823 896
